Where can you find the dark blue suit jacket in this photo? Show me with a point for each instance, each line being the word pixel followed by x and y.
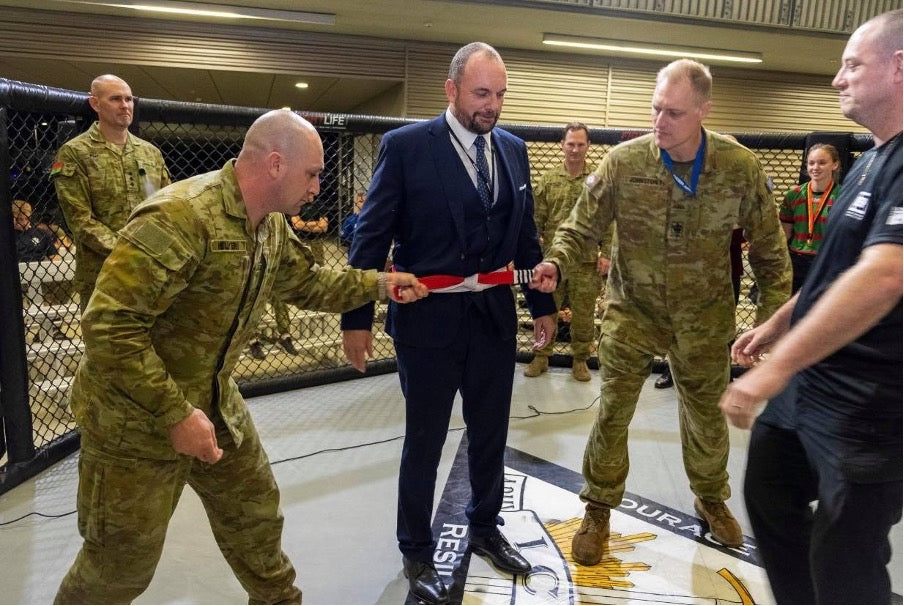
pixel 415 203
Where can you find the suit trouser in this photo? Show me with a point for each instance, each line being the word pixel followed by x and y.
pixel 125 505
pixel 835 555
pixel 582 289
pixel 480 365
pixel 701 374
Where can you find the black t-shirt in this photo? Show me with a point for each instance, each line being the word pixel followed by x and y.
pixel 853 398
pixel 34 244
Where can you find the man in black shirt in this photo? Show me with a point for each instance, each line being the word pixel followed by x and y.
pixel 831 431
pixel 32 243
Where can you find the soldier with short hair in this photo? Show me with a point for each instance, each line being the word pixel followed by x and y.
pixel 101 175
pixel 154 396
pixel 556 192
pixel 675 195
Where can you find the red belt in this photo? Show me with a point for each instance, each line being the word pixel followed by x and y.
pixel 475 282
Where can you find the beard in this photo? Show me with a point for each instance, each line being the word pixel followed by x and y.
pixel 476 122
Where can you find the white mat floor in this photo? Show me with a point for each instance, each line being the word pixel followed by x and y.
pixel 335 451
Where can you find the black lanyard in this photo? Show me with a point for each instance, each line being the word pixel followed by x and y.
pixel 488 180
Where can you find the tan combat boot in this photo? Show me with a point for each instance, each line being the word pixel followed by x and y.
pixel 537 366
pixel 722 525
pixel 580 371
pixel 590 539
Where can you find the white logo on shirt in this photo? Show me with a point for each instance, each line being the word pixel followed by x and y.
pixel 859 206
pixel 896 216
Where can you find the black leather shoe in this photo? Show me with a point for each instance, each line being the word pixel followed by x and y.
pixel 424 582
pixel 501 553
pixel 665 380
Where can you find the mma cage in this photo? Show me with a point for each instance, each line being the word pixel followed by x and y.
pixel 40 342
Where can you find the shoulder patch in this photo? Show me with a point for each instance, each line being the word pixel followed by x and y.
pixel 56 168
pixel 769 184
pixel 151 236
pixel 591 180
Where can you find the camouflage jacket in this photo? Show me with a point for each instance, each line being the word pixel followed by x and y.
pixel 671 272
pixel 555 195
pixel 176 302
pixel 98 184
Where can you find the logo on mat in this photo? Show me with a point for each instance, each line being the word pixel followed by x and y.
pixel 654 553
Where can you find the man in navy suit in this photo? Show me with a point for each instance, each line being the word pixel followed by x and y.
pixel 454 196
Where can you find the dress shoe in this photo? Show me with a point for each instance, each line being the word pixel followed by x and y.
pixel 580 371
pixel 589 541
pixel 537 366
pixel 424 582
pixel 665 379
pixel 257 350
pixel 500 552
pixel 722 525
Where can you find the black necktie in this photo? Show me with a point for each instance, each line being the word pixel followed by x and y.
pixel 483 173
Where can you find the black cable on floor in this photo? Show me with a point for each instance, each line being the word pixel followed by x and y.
pixel 537 413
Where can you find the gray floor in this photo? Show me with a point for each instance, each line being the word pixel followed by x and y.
pixel 335 451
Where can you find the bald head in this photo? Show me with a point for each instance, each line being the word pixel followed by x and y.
pixel 280 131
pixel 870 78
pixel 105 82
pixel 112 99
pixel 279 167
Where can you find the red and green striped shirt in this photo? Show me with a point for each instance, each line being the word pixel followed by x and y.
pixel 794 210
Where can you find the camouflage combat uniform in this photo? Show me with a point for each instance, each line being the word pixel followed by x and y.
pixel 181 294
pixel 554 197
pixel 670 292
pixel 98 184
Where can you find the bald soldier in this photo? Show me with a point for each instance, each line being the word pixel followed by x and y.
pixel 101 175
pixel 675 195
pixel 158 410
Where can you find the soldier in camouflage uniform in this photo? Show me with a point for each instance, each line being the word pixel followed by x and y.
pixel 556 192
pixel 675 195
pixel 100 177
pixel 158 410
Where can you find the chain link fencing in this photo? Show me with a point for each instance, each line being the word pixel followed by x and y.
pixel 41 342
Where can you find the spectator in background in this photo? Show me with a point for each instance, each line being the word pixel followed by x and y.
pixel 347 232
pixel 311 226
pixel 832 429
pixel 100 177
pixel 556 192
pixel 805 208
pixel 34 244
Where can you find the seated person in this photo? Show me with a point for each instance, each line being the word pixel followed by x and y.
pixel 34 244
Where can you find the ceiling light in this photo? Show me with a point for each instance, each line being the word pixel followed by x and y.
pixel 301 85
pixel 638 48
pixel 206 9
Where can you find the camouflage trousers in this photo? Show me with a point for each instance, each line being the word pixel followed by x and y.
pixel 125 504
pixel 582 288
pixel 701 372
pixel 281 314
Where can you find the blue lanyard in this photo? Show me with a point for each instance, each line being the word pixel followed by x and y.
pixel 691 189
